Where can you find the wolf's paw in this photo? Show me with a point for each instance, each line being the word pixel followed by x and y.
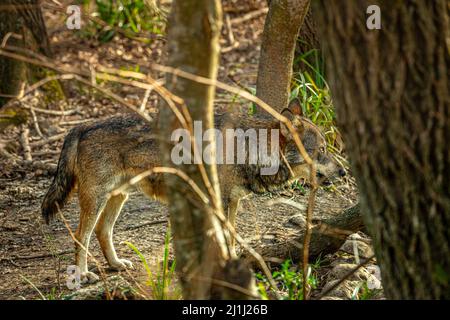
pixel 88 277
pixel 122 264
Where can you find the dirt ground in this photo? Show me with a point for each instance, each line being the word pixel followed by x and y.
pixel 40 253
pixel 34 256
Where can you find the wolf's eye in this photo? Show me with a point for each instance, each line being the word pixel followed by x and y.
pixel 322 149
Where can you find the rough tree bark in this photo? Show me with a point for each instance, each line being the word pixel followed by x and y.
pixel 12 72
pixel 22 17
pixel 307 40
pixel 200 242
pixel 391 92
pixel 281 29
pixel 31 13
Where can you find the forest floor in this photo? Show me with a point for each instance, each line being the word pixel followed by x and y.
pixel 34 256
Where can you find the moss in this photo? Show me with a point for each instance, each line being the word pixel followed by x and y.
pixel 53 90
pixel 12 116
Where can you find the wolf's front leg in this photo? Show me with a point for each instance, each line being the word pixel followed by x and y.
pixel 104 231
pixel 232 206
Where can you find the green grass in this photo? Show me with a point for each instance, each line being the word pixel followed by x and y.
pixel 311 88
pixel 289 280
pixel 298 186
pixel 161 279
pixel 362 292
pixel 314 62
pixel 53 294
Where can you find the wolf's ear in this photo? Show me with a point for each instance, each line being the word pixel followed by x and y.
pixel 296 120
pixel 295 107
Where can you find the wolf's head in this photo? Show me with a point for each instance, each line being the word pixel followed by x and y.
pixel 315 144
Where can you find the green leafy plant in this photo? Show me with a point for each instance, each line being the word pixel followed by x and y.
pixel 161 279
pixel 298 186
pixel 310 87
pixel 363 292
pixel 131 16
pixel 53 294
pixel 313 60
pixel 289 280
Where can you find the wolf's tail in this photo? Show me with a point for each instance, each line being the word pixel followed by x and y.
pixel 64 181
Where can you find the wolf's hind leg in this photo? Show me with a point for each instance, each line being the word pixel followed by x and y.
pixel 232 212
pixel 90 208
pixel 104 231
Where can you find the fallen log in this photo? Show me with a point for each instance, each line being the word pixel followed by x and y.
pixel 333 222
pixel 330 234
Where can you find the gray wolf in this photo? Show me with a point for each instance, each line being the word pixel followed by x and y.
pixel 98 158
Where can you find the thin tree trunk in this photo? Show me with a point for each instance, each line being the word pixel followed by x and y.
pixel 200 242
pixel 391 92
pixel 281 29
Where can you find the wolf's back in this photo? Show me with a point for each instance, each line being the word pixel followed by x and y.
pixel 64 181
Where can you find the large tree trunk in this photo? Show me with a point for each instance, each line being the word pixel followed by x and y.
pixel 12 72
pixel 281 29
pixel 391 92
pixel 24 18
pixel 307 41
pixel 31 13
pixel 200 242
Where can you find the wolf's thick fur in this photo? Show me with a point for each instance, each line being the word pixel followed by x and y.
pixel 101 157
pixel 64 180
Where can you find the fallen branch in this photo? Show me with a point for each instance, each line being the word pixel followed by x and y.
pixel 24 140
pixel 52 112
pixel 38 255
pixel 36 123
pixel 73 73
pixel 144 101
pixel 230 48
pixel 229 30
pixel 50 139
pixel 38 165
pixel 150 223
pixel 249 16
pixel 9 155
pixel 77 122
pixel 45 153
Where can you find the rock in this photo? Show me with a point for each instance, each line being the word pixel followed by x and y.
pixel 364 250
pixel 374 281
pixel 118 287
pixel 331 298
pixel 341 270
pixel 343 291
pixel 298 220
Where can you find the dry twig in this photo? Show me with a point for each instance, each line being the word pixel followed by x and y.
pixel 346 276
pixel 249 16
pixel 24 140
